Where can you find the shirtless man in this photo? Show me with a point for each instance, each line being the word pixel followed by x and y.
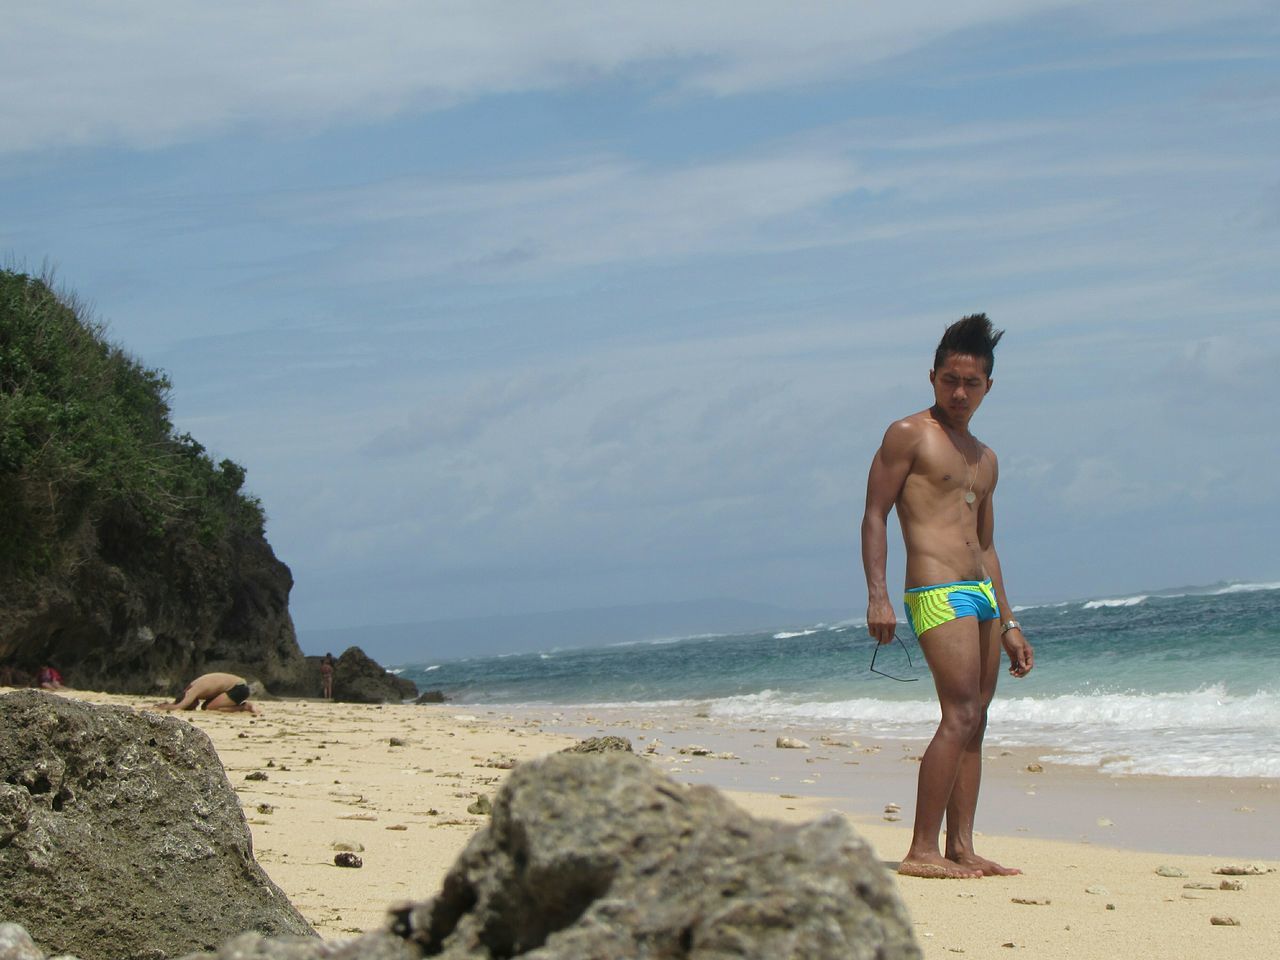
pixel 941 478
pixel 218 691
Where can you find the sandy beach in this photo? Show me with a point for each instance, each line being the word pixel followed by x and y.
pixel 393 783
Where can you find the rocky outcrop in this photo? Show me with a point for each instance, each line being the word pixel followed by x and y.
pixel 128 623
pixel 358 679
pixel 120 836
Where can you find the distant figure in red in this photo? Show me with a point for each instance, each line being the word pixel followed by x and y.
pixel 326 675
pixel 49 679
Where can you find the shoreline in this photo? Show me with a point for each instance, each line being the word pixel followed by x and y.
pixel 336 778
pixel 858 775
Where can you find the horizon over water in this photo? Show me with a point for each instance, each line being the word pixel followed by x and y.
pixel 1176 683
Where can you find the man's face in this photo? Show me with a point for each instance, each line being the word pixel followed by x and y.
pixel 959 385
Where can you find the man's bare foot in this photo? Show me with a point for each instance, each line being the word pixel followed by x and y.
pixel 937 867
pixel 988 868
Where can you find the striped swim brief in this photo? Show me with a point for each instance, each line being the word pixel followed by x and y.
pixel 927 607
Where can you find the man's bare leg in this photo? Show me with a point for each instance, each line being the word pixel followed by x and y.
pixel 953 651
pixel 964 793
pixel 224 704
pixel 189 701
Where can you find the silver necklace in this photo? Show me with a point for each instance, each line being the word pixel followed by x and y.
pixel 972 472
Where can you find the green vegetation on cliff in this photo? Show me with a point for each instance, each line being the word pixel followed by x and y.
pixel 88 452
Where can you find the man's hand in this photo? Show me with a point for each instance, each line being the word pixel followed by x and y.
pixel 1021 657
pixel 881 620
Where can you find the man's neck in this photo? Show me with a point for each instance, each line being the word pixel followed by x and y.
pixel 950 423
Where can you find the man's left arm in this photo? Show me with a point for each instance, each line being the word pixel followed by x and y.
pixel 1021 656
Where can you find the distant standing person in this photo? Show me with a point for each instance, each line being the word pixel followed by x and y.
pixel 326 675
pixel 941 479
pixel 214 691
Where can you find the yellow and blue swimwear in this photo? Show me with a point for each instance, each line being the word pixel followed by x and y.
pixel 927 607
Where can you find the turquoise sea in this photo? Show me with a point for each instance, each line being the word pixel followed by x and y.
pixel 1175 683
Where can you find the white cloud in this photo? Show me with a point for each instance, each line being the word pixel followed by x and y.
pixel 603 211
pixel 148 73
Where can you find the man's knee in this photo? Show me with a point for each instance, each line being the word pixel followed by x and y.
pixel 966 719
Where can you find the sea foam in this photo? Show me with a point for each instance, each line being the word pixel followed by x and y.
pixel 1206 732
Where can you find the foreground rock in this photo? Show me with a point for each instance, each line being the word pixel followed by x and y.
pixel 120 836
pixel 357 678
pixel 599 856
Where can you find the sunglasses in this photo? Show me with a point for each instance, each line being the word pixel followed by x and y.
pixel 911 663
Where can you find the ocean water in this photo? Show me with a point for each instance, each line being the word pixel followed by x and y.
pixel 1172 683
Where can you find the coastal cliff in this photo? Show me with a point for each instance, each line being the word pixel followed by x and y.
pixel 129 559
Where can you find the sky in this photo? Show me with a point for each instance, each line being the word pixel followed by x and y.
pixel 516 307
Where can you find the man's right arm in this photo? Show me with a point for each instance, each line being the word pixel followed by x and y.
pixel 889 469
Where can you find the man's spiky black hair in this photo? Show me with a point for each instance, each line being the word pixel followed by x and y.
pixel 972 336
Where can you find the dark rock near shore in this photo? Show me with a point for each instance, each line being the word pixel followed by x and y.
pixel 120 836
pixel 600 745
pixel 358 679
pixel 431 696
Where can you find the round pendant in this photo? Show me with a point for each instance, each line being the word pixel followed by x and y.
pixel 970 496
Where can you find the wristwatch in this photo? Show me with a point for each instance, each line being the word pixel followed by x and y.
pixel 1009 625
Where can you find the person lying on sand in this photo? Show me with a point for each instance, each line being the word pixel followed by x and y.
pixel 214 691
pixel 941 479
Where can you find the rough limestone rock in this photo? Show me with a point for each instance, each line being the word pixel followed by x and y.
pixel 120 836
pixel 358 679
pixel 600 856
pixel 600 745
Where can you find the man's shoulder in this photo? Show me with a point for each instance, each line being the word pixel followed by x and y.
pixel 910 428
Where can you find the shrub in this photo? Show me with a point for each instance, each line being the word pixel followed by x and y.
pixel 87 443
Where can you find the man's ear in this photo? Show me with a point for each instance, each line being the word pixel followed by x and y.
pixel 933 375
